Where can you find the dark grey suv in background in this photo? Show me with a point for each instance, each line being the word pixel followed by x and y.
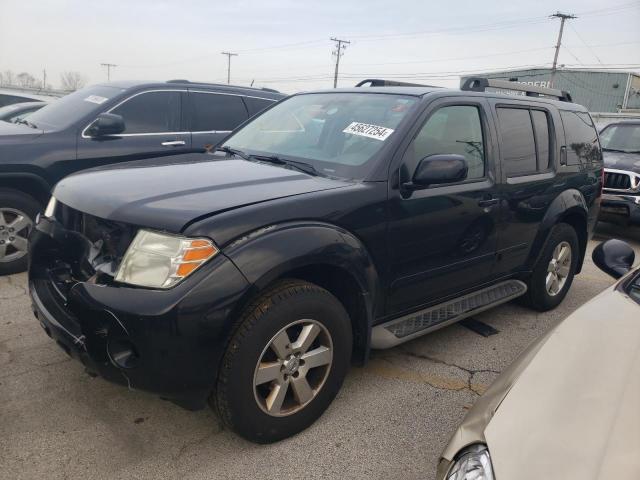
pixel 103 124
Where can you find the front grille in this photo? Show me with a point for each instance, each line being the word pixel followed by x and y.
pixel 618 181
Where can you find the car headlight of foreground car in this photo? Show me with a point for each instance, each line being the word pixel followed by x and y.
pixel 473 463
pixel 159 260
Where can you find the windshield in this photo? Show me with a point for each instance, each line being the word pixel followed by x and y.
pixel 336 133
pixel 70 108
pixel 625 138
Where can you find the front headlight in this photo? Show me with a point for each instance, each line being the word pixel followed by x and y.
pixel 159 260
pixel 474 463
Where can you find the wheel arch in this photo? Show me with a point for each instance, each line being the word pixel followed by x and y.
pixel 320 253
pixel 29 183
pixel 569 207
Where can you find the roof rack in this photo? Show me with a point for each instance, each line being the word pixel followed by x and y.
pixel 378 82
pixel 480 84
pixel 181 80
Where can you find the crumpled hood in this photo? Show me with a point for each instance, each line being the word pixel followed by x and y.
pixel 622 161
pixel 574 412
pixel 169 193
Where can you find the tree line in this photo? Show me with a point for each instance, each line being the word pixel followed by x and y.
pixel 69 81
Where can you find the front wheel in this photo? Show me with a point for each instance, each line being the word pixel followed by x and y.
pixel 285 363
pixel 17 215
pixel 555 269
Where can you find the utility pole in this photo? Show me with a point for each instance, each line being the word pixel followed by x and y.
pixel 339 51
pixel 109 67
pixel 44 79
pixel 563 17
pixel 229 55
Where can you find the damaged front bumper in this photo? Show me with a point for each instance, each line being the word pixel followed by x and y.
pixel 169 342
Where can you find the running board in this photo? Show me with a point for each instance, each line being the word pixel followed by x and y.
pixel 406 328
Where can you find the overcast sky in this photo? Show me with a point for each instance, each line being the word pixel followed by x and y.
pixel 285 44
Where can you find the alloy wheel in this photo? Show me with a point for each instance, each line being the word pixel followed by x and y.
pixel 15 226
pixel 290 374
pixel 558 269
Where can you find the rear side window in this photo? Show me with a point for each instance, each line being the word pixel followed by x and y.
pixel 518 144
pixel 526 140
pixel 581 138
pixel 455 129
pixel 256 105
pixel 216 112
pixel 151 112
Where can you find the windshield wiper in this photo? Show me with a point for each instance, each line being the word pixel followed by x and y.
pixel 302 166
pixel 233 151
pixel 27 123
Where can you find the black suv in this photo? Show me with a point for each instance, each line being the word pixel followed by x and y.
pixel 104 124
pixel 621 197
pixel 334 222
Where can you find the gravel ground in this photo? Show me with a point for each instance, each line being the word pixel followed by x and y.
pixel 391 419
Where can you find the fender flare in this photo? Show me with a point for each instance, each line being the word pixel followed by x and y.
pixel 570 202
pixel 267 254
pixel 31 177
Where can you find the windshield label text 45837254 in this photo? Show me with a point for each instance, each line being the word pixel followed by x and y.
pixel 367 130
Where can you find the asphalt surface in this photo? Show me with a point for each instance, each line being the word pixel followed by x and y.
pixel 391 419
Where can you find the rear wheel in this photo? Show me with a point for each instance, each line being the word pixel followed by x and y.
pixel 555 269
pixel 17 216
pixel 285 363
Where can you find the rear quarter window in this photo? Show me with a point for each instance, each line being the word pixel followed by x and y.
pixel 581 138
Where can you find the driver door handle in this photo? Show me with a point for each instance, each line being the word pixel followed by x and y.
pixel 174 143
pixel 489 202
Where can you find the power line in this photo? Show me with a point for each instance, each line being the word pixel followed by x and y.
pixel 229 55
pixel 341 45
pixel 585 43
pixel 109 67
pixel 563 17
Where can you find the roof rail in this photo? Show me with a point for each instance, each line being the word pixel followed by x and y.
pixel 480 84
pixel 181 80
pixel 178 80
pixel 378 82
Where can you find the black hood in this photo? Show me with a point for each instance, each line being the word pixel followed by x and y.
pixel 622 161
pixel 169 194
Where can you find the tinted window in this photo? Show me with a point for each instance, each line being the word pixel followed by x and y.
pixel 543 144
pixel 216 112
pixel 256 105
pixel 518 146
pixel 339 134
pixel 581 138
pixel 455 129
pixel 152 112
pixel 71 108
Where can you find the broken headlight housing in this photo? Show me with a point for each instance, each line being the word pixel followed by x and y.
pixel 473 463
pixel 160 260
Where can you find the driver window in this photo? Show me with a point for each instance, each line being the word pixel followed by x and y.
pixel 455 129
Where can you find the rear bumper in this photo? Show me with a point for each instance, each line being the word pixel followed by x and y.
pixel 620 208
pixel 169 342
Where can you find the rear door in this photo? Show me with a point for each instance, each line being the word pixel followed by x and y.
pixel 212 116
pixel 153 127
pixel 529 149
pixel 442 240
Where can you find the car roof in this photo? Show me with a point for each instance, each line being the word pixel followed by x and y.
pixel 250 91
pixel 444 92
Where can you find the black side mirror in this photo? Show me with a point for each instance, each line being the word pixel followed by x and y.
pixel 438 169
pixel 614 257
pixel 106 124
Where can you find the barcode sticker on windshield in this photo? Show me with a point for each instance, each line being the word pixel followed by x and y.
pixel 96 99
pixel 367 130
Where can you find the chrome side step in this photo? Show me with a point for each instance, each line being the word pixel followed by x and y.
pixel 414 325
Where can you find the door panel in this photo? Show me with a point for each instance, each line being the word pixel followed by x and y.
pixel 443 239
pixel 152 129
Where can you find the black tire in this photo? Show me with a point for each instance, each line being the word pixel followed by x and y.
pixel 11 201
pixel 287 301
pixel 537 296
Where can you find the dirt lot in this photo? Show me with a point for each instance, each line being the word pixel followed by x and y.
pixel 391 419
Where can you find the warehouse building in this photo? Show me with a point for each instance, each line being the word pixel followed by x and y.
pixel 601 91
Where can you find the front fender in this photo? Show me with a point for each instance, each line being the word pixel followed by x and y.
pixel 269 253
pixel 569 203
